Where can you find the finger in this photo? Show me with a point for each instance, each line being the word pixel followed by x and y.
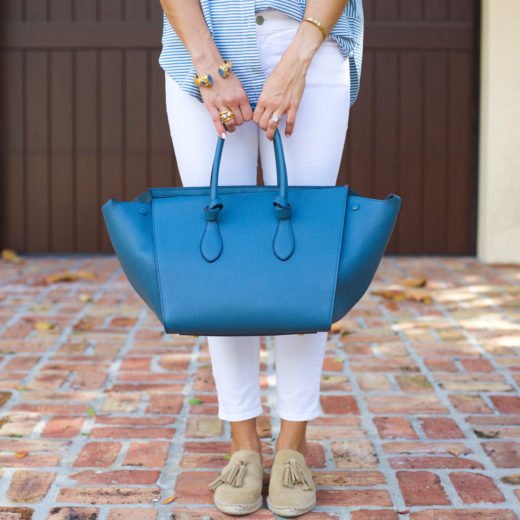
pixel 247 112
pixel 272 126
pixel 264 120
pixel 221 130
pixel 228 125
pixel 259 110
pixel 289 122
pixel 239 118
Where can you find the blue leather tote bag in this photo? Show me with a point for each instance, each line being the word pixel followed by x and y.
pixel 250 260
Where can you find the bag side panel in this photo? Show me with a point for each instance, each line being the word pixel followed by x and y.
pixel 368 228
pixel 129 226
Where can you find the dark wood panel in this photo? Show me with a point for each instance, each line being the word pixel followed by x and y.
pixel 87 159
pixel 85 119
pixel 37 201
pixel 111 128
pixel 135 156
pixel 61 160
pixel 462 143
pixel 410 183
pixel 12 192
pixel 435 168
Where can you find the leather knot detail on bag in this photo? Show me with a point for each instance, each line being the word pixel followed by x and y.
pixel 233 475
pixel 293 474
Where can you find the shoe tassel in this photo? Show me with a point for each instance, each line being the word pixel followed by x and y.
pixel 293 474
pixel 233 475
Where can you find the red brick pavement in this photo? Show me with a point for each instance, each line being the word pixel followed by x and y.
pixel 103 417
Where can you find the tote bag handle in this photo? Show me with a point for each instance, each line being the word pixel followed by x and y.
pixel 283 241
pixel 280 202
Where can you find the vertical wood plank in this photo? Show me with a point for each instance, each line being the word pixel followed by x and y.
pixel 163 166
pixel 12 173
pixel 386 128
pixel 86 121
pixel 386 10
pixel 436 10
pixel 410 158
pixel 357 166
pixel 435 150
pixel 461 189
pixel 86 128
pixel 136 107
pixel 463 10
pixel 61 174
pixel 61 160
pixel 410 10
pixel 11 11
pixel 37 120
pixel 136 130
pixel 111 128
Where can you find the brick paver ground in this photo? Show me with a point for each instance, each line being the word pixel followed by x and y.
pixel 105 418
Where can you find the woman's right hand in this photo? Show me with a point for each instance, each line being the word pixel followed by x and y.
pixel 225 94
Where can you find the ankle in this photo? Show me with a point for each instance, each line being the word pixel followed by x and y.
pixel 298 446
pixel 246 445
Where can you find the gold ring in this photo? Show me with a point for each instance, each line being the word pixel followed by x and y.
pixel 226 115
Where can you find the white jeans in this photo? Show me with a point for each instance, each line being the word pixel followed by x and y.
pixel 313 154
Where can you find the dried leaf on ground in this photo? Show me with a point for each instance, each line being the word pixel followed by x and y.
pixel 168 500
pixel 8 255
pixel 69 276
pixel 396 295
pixel 414 282
pixel 418 295
pixel 44 325
pixel 84 324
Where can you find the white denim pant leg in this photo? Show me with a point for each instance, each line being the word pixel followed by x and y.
pixel 313 154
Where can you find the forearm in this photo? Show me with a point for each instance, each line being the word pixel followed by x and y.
pixel 187 20
pixel 308 37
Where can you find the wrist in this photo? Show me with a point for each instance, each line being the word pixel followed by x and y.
pixel 305 43
pixel 206 59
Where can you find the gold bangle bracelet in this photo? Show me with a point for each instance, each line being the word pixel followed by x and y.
pixel 203 81
pixel 225 69
pixel 318 24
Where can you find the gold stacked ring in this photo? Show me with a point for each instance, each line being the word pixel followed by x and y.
pixel 226 115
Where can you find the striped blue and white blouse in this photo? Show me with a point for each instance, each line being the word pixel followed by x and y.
pixel 232 26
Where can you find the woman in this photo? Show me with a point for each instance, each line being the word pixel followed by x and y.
pixel 244 69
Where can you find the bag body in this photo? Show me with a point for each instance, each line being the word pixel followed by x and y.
pixel 250 260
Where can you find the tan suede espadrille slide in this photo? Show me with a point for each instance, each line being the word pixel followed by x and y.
pixel 238 488
pixel 292 490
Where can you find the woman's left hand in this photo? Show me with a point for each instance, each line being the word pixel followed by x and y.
pixel 283 89
pixel 282 93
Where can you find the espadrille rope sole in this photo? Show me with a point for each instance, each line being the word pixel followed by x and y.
pixel 289 510
pixel 239 509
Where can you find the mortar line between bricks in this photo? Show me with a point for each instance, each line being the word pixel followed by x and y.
pixel 471 441
pixel 44 358
pixel 453 413
pixel 497 368
pixel 172 469
pixel 471 437
pixel 368 423
pixel 62 470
